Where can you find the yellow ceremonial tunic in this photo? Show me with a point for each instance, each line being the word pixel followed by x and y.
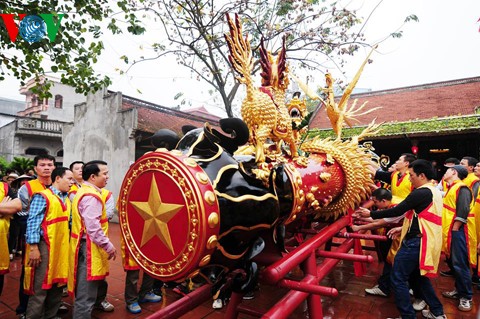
pixel 4 228
pixel 34 186
pixel 56 235
pixel 401 187
pixel 470 180
pixel 73 190
pixel 430 224
pixel 448 217
pixel 97 258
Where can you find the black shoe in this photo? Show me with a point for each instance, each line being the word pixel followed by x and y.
pixel 447 273
pixel 249 295
pixel 62 309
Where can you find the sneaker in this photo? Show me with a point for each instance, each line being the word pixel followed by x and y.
pixel 62 309
pixel 410 291
pixel 150 297
pixel 465 304
pixel 376 291
pixel 105 306
pixel 217 304
pixel 429 315
pixel 134 308
pixel 11 257
pixel 447 273
pixel 419 304
pixel 22 316
pixel 249 295
pixel 451 294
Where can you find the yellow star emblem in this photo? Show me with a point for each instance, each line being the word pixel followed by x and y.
pixel 156 215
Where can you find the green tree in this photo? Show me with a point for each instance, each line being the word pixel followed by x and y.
pixel 21 164
pixel 3 165
pixel 316 31
pixel 77 44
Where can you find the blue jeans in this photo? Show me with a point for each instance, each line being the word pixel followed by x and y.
pixel 406 266
pixel 461 265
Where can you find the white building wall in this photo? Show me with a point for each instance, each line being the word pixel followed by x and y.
pixel 101 131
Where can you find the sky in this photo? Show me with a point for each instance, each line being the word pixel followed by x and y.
pixel 444 45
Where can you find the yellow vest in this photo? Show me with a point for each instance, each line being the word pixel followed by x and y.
pixel 401 187
pixel 97 258
pixel 448 216
pixel 470 180
pixel 476 213
pixel 395 246
pixel 34 186
pixel 4 227
pixel 430 224
pixel 56 236
pixel 73 190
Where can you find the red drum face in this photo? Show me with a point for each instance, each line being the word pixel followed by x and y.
pixel 169 215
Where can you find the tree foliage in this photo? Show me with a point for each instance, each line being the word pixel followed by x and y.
pixel 21 164
pixel 76 47
pixel 316 32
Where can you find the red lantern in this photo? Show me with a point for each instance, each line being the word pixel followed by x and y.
pixel 415 149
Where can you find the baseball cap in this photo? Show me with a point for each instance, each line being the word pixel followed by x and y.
pixel 461 170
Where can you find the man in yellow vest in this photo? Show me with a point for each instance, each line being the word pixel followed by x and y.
pixel 473 182
pixel 43 166
pixel 459 237
pixel 7 208
pixel 421 241
pixel 76 167
pixel 47 246
pixel 398 180
pixel 90 247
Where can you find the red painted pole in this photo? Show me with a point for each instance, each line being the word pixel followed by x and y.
pixel 314 301
pixel 313 289
pixel 185 304
pixel 344 256
pixel 286 305
pixel 362 236
pixel 326 267
pixel 232 307
pixel 278 270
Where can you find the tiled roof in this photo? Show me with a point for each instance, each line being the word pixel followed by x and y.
pixel 457 97
pixel 152 117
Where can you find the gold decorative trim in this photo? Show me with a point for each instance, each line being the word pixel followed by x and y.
pixel 190 162
pixel 212 242
pixel 246 197
pixel 192 147
pixel 230 256
pixel 205 260
pixel 210 197
pixel 243 228
pixel 213 220
pixel 214 157
pixel 220 173
pixel 202 178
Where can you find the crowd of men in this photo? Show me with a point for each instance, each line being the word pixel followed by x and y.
pixel 425 218
pixel 63 215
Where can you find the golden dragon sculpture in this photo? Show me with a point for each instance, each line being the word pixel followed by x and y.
pixel 263 109
pixel 343 168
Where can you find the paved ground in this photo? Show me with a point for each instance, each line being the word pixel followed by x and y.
pixel 351 302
